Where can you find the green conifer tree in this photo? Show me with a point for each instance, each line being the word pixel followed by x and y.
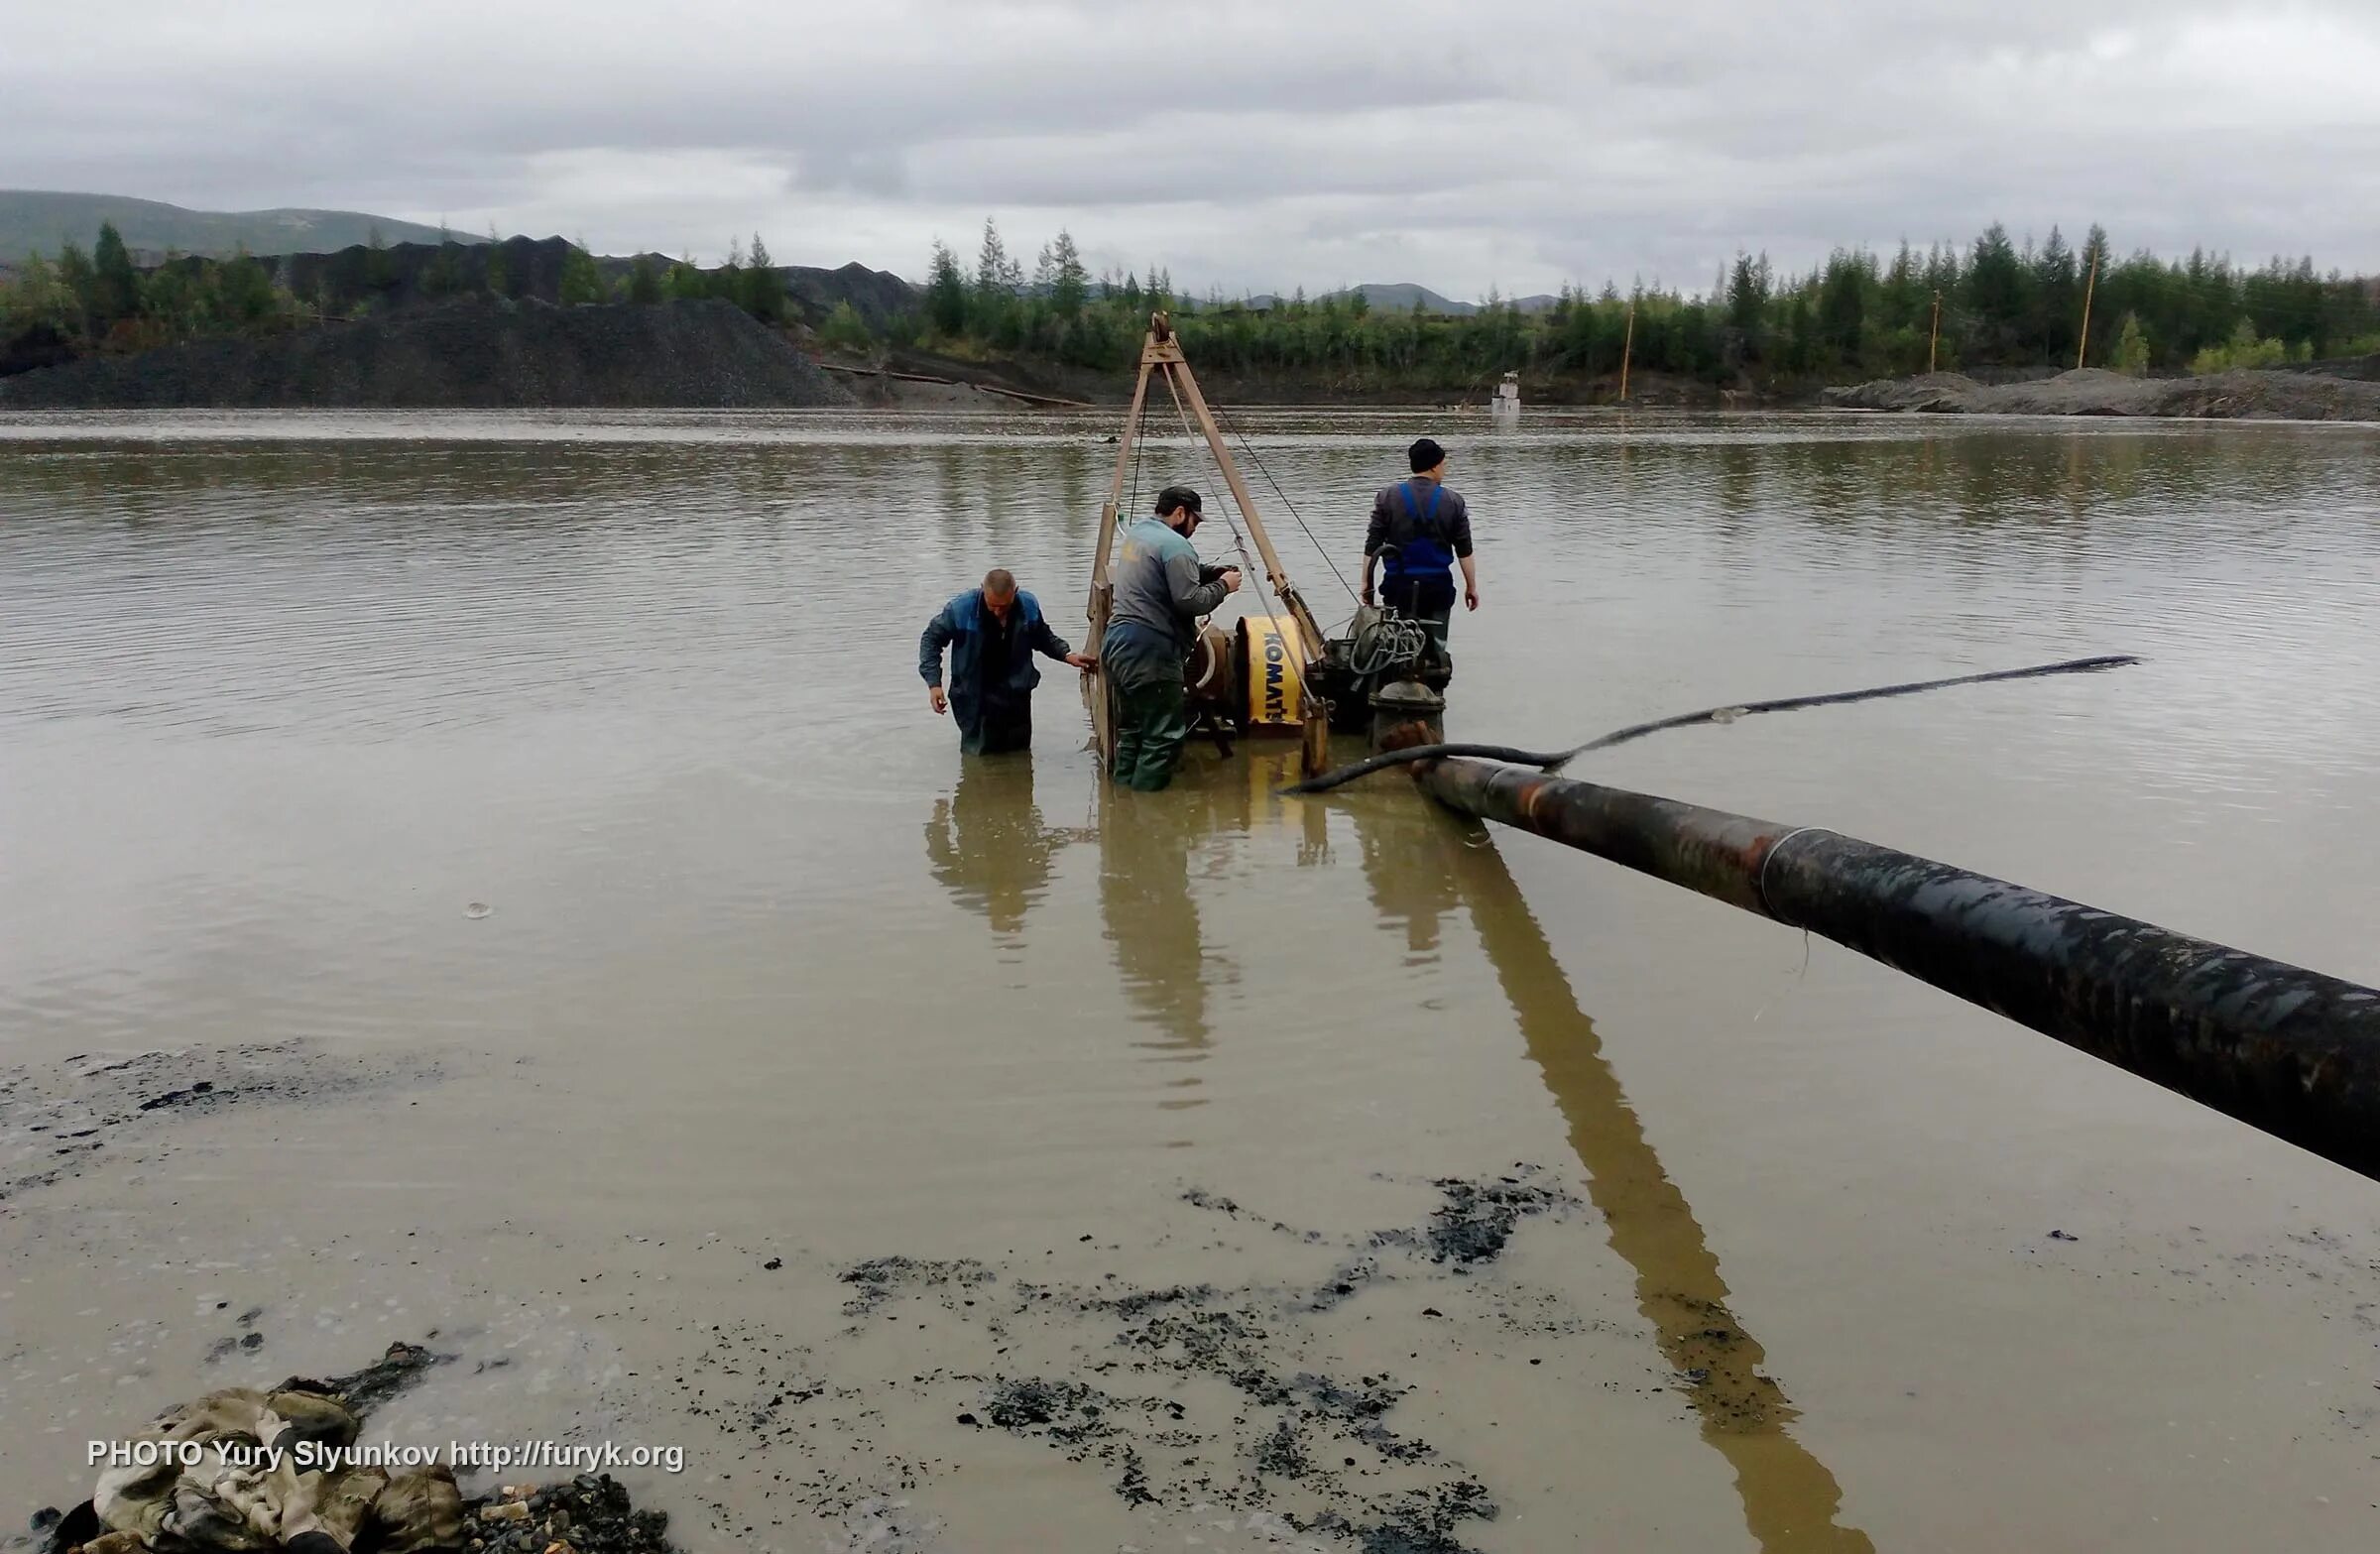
pixel 116 285
pixel 2132 348
pixel 764 291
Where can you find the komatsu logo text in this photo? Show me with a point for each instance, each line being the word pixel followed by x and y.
pixel 1276 674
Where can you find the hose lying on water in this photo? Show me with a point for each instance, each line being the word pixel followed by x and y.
pixel 1555 761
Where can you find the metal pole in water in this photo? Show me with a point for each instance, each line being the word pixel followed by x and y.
pixel 2292 1052
pixel 2083 348
pixel 1627 348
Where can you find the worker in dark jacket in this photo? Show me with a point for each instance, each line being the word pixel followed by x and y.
pixel 1161 590
pixel 993 632
pixel 1419 532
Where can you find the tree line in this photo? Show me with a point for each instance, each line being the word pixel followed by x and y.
pixel 81 300
pixel 1989 305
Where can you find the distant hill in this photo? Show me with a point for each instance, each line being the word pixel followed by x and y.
pixel 35 221
pixel 1403 295
pixel 1398 298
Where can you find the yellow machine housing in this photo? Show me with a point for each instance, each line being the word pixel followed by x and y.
pixel 1271 662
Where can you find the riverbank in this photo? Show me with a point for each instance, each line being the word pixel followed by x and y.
pixel 486 354
pixel 2237 394
pixel 913 378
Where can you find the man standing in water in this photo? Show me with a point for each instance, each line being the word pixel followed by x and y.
pixel 1160 592
pixel 1419 530
pixel 993 632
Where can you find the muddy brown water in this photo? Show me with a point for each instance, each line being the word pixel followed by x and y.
pixel 1153 1100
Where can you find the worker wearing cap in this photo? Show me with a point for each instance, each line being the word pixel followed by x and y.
pixel 1419 530
pixel 1160 591
pixel 993 632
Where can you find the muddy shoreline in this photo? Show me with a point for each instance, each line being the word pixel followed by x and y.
pixel 500 355
pixel 1229 1393
pixel 2242 394
pixel 60 1121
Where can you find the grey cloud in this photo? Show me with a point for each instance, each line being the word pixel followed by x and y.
pixel 857 169
pixel 1245 146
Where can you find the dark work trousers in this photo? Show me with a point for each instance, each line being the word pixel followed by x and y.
pixel 1427 597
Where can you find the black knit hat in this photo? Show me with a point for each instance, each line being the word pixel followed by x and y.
pixel 1425 455
pixel 1177 496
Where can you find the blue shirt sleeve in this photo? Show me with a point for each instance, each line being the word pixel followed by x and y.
pixel 938 633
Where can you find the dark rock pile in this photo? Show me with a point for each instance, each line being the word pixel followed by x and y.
pixel 474 353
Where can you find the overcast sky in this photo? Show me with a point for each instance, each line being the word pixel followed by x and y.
pixel 1246 146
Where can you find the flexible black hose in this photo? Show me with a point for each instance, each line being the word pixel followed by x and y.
pixel 1555 761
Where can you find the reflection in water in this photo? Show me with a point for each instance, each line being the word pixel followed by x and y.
pixel 987 843
pixel 1145 843
pixel 1419 864
pixel 1148 845
pixel 1415 891
pixel 1987 479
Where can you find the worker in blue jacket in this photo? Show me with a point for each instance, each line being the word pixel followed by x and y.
pixel 1420 531
pixel 993 632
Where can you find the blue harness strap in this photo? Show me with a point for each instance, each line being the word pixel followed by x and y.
pixel 1427 551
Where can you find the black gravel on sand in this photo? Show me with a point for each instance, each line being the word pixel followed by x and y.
pixel 1320 1452
pixel 591 1514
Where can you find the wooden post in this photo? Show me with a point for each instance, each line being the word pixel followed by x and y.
pixel 1103 591
pixel 1933 339
pixel 1627 348
pixel 2088 287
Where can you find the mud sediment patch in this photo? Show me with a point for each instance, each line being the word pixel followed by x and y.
pixel 878 1278
pixel 1201 1397
pixel 1477 1220
pixel 58 1120
pixel 363 1390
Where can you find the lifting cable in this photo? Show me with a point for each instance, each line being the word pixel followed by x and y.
pixel 1223 505
pixel 1290 507
pixel 1139 446
pixel 1555 761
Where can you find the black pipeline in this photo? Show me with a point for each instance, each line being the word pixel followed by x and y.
pixel 2286 1050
